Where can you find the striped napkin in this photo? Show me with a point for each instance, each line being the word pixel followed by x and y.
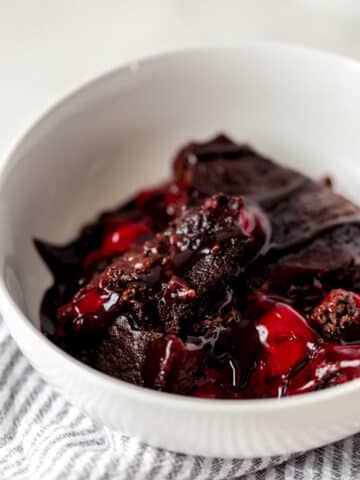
pixel 43 437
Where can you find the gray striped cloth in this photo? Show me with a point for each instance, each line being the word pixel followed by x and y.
pixel 43 437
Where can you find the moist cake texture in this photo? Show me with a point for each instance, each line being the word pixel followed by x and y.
pixel 237 278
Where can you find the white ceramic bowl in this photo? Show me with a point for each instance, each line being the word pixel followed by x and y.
pixel 119 133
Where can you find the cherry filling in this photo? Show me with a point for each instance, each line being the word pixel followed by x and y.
pixel 118 240
pixel 287 342
pixel 88 312
pixel 238 278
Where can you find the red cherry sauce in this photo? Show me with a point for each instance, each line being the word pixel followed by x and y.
pixel 237 278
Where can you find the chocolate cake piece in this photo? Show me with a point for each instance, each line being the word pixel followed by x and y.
pixel 122 351
pixel 337 317
pixel 167 283
pixel 303 277
pixel 221 165
pixel 307 213
pixel 167 363
pixel 217 251
pixel 298 207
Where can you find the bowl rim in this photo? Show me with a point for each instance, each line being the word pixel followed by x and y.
pixel 11 310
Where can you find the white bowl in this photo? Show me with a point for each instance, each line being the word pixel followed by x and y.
pixel 119 133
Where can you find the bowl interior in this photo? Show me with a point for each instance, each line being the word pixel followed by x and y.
pixel 119 133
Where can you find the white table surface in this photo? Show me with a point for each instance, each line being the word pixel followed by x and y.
pixel 48 47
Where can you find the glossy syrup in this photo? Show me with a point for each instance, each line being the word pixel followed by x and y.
pixel 241 334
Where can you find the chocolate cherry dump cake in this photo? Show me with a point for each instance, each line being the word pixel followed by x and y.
pixel 238 278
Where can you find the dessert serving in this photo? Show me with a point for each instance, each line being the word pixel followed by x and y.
pixel 238 278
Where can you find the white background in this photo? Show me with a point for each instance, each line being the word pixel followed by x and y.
pixel 48 47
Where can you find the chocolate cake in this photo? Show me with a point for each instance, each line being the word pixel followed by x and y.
pixel 238 278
